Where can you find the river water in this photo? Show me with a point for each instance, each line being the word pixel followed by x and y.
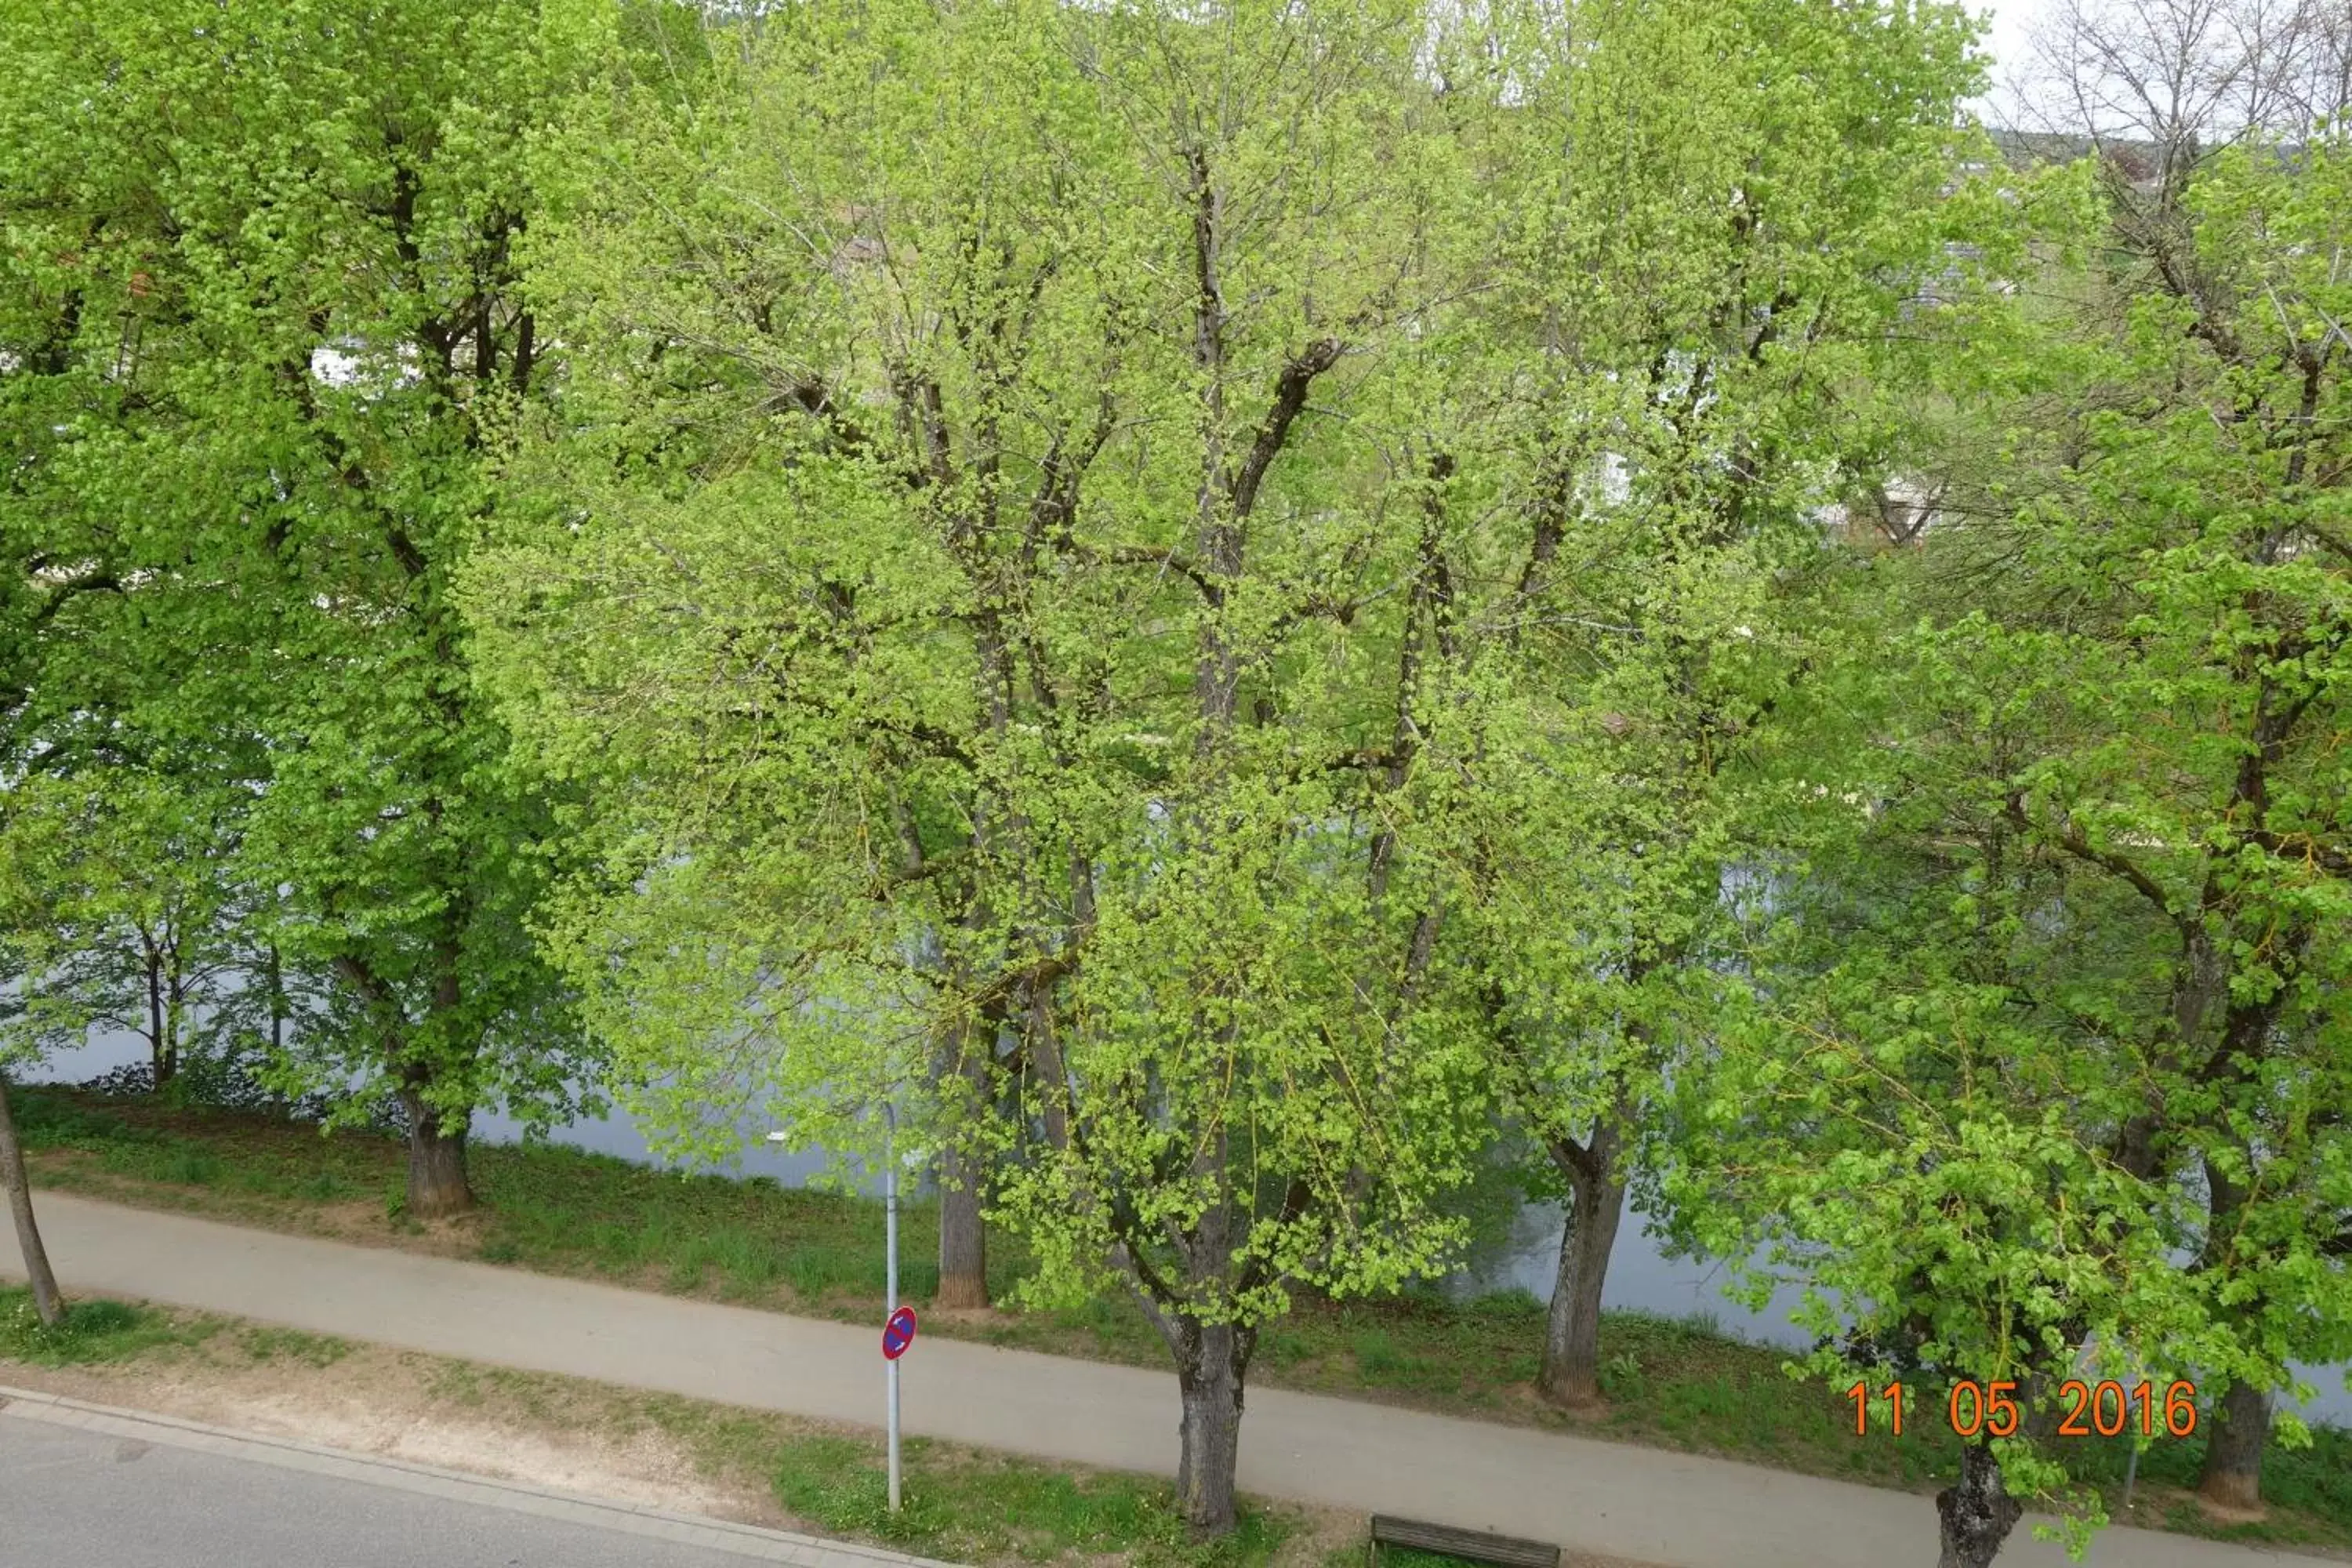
pixel 1641 1276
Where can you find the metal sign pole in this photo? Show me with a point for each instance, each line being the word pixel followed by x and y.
pixel 890 1246
pixel 2131 1464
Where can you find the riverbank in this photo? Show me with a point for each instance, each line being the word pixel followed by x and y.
pixel 559 1211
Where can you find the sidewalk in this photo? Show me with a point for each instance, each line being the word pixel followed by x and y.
pixel 1616 1500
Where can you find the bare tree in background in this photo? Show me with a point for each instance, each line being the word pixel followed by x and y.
pixel 2319 83
pixel 2174 80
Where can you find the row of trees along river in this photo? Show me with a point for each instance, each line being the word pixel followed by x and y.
pixel 1215 626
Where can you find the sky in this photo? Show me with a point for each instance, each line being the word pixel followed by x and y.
pixel 2010 20
pixel 2008 41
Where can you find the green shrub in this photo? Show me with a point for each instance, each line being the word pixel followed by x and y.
pixel 1620 1377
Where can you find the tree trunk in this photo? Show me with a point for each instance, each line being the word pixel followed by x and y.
pixel 2240 1425
pixel 159 1039
pixel 437 1186
pixel 2232 1476
pixel 1209 1379
pixel 1976 1514
pixel 46 1299
pixel 277 1008
pixel 963 1234
pixel 1570 1374
pixel 175 1019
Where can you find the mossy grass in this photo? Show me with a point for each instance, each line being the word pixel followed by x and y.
pixel 960 1505
pixel 1408 1557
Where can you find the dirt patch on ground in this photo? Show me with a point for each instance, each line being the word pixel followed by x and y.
pixel 2222 1513
pixel 367 1400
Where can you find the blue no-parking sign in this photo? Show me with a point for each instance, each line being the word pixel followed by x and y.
pixel 899 1333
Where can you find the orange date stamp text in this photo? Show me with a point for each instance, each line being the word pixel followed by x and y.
pixel 2105 1409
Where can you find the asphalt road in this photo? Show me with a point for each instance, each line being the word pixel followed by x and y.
pixel 70 1498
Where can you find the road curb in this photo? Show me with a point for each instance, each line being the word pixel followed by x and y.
pixel 685 1529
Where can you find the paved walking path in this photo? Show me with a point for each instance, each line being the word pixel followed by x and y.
pixel 1641 1503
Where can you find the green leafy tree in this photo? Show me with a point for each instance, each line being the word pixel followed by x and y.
pixel 2206 517
pixel 75 293
pixel 1687 320
pixel 2071 1075
pixel 1916 1117
pixel 2217 157
pixel 305 221
pixel 137 930
pixel 978 645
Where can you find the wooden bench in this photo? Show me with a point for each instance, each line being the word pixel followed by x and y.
pixel 1508 1551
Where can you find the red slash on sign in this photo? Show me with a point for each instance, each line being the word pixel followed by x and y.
pixel 899 1333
